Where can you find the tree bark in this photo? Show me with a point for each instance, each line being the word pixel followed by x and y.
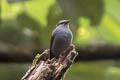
pixel 45 69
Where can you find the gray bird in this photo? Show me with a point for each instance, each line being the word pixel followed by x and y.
pixel 61 39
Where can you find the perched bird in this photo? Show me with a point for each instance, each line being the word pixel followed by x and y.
pixel 61 39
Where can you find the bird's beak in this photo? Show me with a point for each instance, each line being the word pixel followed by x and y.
pixel 67 21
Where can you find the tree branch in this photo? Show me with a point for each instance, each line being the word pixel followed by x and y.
pixel 54 69
pixel 99 52
pixel 13 53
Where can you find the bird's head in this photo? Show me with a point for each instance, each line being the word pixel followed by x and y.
pixel 63 22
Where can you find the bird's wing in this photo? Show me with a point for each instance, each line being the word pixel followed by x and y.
pixel 51 43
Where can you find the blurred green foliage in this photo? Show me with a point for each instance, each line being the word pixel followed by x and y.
pixel 12 71
pixel 95 21
pixel 96 70
pixel 108 29
pixel 93 70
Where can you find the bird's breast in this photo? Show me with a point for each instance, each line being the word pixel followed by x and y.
pixel 62 40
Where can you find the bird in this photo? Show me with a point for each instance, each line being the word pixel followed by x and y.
pixel 61 38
